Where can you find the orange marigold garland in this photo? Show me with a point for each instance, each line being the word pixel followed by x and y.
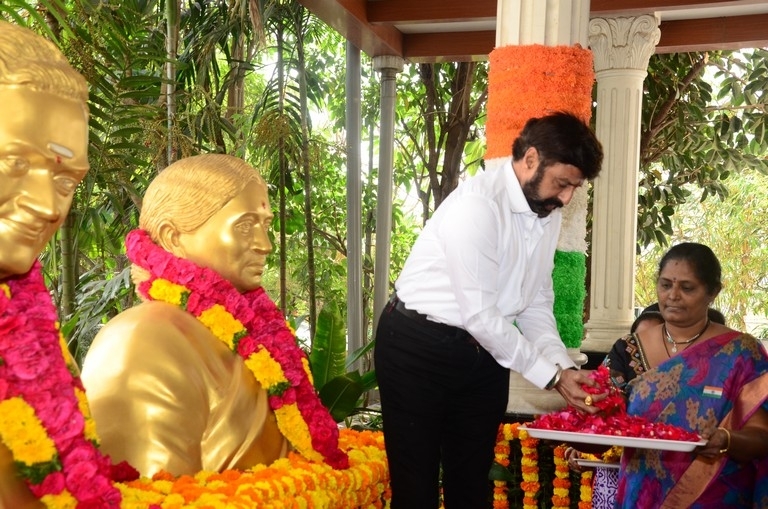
pixel 562 481
pixel 290 482
pixel 529 466
pixel 530 469
pixel 501 455
pixel 585 489
pixel 531 80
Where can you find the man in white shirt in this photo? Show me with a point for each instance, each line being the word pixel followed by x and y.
pixel 473 301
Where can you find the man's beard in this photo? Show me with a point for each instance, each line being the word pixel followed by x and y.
pixel 542 207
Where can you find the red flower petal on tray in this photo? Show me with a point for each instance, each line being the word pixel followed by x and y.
pixel 613 418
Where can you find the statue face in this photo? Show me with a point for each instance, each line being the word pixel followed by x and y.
pixel 43 157
pixel 234 242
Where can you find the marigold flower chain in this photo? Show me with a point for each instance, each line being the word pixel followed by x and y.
pixel 517 76
pixel 287 483
pixel 562 481
pixel 529 466
pixel 585 490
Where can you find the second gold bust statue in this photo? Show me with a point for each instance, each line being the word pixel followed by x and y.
pixel 166 394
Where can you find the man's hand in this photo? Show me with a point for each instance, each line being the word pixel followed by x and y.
pixel 569 387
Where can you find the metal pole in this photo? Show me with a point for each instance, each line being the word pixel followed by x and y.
pixel 389 66
pixel 355 336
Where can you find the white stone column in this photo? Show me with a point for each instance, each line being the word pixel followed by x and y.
pixel 549 23
pixel 621 48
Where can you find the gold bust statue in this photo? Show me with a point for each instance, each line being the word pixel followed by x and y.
pixel 43 157
pixel 165 392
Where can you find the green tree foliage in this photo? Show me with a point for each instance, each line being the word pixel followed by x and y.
pixel 736 229
pixel 704 119
pixel 440 115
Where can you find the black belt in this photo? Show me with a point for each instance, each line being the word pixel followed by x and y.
pixel 459 333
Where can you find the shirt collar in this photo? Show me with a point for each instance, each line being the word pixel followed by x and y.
pixel 517 202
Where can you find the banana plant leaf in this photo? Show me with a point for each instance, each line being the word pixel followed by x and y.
pixel 329 346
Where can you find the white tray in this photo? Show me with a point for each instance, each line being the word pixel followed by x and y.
pixel 591 438
pixel 596 464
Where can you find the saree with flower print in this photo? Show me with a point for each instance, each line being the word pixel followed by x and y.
pixel 719 382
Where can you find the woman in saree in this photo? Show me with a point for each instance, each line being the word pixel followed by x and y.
pixel 703 377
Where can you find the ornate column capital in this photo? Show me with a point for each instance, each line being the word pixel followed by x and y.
pixel 623 43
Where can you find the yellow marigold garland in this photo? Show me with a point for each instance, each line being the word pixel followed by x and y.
pixel 585 489
pixel 530 469
pixel 501 455
pixel 292 482
pixel 529 466
pixel 562 481
pixel 25 435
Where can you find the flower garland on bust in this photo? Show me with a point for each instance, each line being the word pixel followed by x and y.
pixel 44 416
pixel 252 326
pixel 287 483
pixel 46 424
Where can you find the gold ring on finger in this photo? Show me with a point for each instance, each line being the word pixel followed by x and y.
pixel 588 401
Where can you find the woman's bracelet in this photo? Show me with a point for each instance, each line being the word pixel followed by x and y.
pixel 727 441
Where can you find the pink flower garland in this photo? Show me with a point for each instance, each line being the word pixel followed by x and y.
pixel 33 370
pixel 266 329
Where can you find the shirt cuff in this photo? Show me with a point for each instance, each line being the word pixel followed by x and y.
pixel 541 372
pixel 563 359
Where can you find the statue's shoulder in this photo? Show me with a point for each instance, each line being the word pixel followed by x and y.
pixel 155 324
pixel 159 330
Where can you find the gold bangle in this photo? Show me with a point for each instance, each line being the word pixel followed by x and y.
pixel 727 441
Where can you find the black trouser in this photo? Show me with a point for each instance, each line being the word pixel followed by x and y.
pixel 442 398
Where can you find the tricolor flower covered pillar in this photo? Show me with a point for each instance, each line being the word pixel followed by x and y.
pixel 541 65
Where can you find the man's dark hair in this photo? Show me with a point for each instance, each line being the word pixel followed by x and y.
pixel 561 138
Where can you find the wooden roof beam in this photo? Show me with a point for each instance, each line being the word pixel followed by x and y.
pixel 430 11
pixel 349 18
pixel 635 7
pixel 731 33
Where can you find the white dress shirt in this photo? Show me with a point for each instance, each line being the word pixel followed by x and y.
pixel 483 262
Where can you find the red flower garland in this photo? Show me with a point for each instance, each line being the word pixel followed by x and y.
pixel 266 330
pixel 33 369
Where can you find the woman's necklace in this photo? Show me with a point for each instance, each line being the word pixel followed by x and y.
pixel 673 344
